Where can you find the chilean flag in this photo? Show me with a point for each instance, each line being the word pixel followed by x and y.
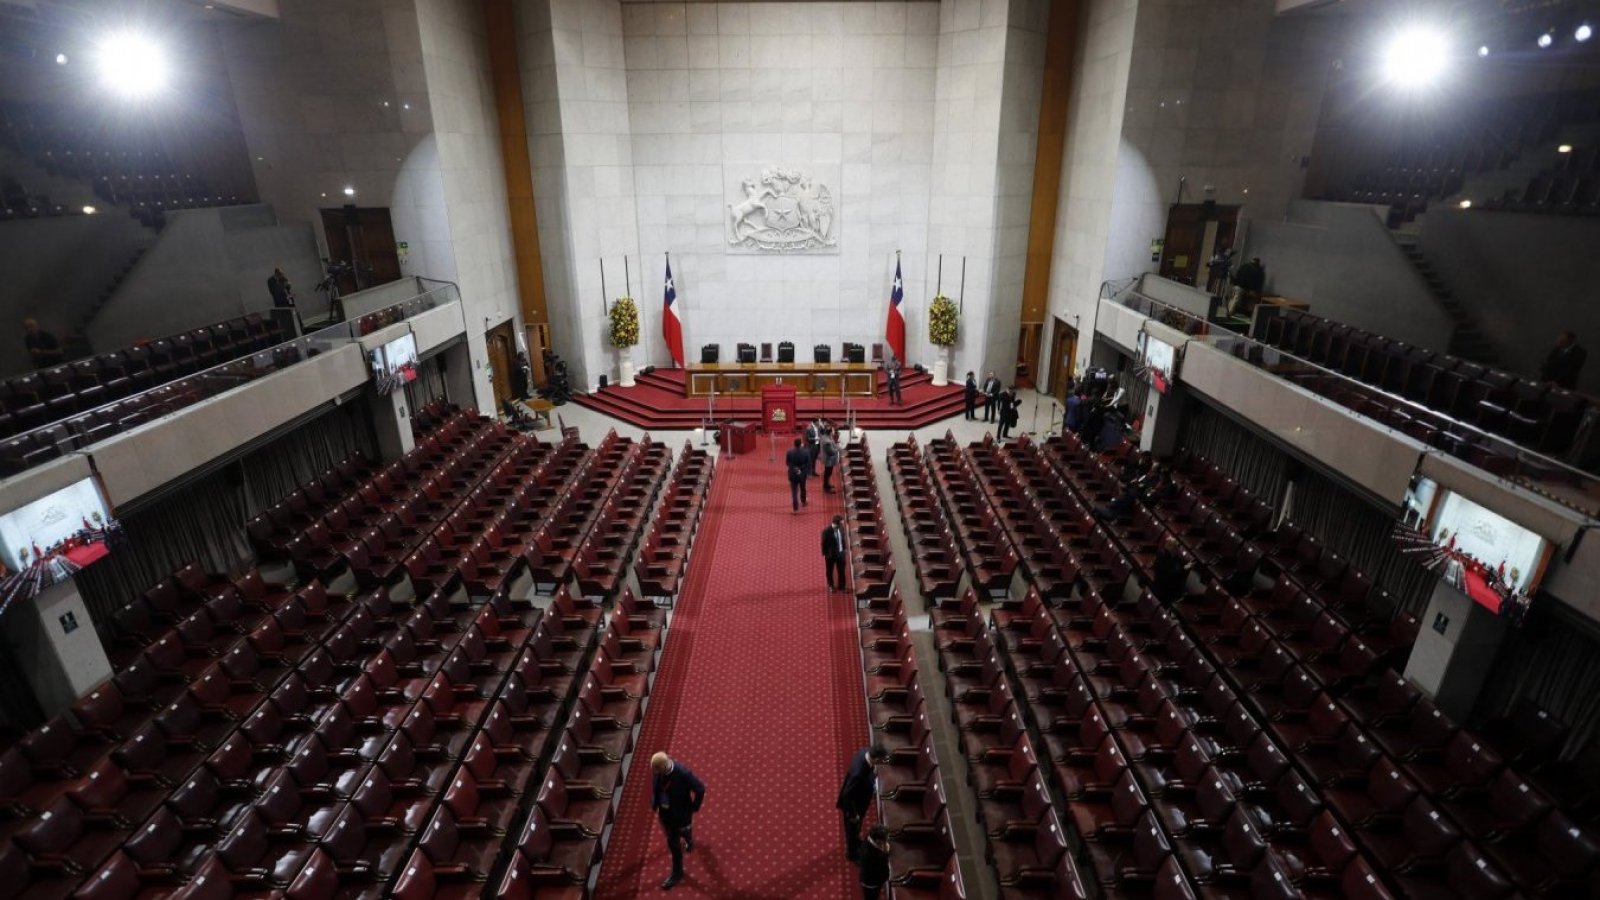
pixel 895 329
pixel 671 328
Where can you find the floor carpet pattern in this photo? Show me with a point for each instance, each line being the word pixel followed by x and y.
pixel 759 693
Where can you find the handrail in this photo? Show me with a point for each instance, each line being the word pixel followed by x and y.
pixel 1528 468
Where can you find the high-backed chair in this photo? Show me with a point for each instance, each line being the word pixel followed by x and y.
pixel 766 352
pixel 786 352
pixel 747 353
pixel 822 353
pixel 709 353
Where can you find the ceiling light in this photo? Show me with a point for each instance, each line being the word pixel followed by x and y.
pixel 88 210
pixel 1564 148
pixel 1465 204
pixel 61 59
pixel 1483 50
pixel 132 64
pixel 1545 40
pixel 1415 57
pixel 349 192
pixel 1583 33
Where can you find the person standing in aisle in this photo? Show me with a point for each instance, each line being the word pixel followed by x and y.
pixel 894 384
pixel 833 555
pixel 829 449
pixel 972 398
pixel 813 446
pixel 675 795
pixel 874 862
pixel 991 390
pixel 796 461
pixel 860 788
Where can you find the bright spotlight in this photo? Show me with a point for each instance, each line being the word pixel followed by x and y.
pixel 1483 50
pixel 61 59
pixel 349 192
pixel 1465 204
pixel 132 64
pixel 89 210
pixel 1564 148
pixel 1545 40
pixel 1415 57
pixel 1583 33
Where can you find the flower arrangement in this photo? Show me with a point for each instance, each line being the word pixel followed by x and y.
pixel 942 318
pixel 624 323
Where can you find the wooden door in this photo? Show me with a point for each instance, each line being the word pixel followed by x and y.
pixel 1194 230
pixel 1063 358
pixel 502 356
pixel 363 237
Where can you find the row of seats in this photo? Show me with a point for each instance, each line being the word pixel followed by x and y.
pixel 270 531
pixel 559 844
pixel 1019 814
pixel 991 561
pixel 1457 806
pixel 1535 415
pixel 910 800
pixel 938 562
pixel 53 411
pixel 872 566
pixel 668 546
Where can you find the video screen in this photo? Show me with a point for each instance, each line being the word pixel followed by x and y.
pixel 395 363
pixel 1488 557
pixel 48 540
pixel 1160 362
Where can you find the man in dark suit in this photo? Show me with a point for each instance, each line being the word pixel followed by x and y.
pixel 675 795
pixel 991 389
pixel 798 462
pixel 856 794
pixel 813 447
pixel 894 384
pixel 1564 362
pixel 833 554
pixel 971 398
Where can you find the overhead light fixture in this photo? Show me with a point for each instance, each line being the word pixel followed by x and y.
pixel 132 64
pixel 1483 50
pixel 1415 57
pixel 1564 148
pixel 1583 33
pixel 349 192
pixel 1546 39
pixel 1465 204
pixel 61 59
pixel 89 210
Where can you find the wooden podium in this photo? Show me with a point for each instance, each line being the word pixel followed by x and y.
pixel 778 409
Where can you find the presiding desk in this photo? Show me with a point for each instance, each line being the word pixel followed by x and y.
pixel 808 379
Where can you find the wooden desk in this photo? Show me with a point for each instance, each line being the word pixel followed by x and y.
pixel 808 379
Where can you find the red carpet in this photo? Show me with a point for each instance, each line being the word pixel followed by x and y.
pixel 656 402
pixel 759 693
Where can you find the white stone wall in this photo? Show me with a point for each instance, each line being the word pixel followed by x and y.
pixel 717 92
pixel 456 61
pixel 1083 217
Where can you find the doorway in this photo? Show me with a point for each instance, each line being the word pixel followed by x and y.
pixel 1063 358
pixel 502 356
pixel 364 238
pixel 1194 232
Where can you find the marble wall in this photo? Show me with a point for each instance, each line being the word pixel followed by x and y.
pixel 843 92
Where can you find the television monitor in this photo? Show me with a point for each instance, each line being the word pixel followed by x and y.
pixel 46 541
pixel 395 363
pixel 1490 558
pixel 1160 362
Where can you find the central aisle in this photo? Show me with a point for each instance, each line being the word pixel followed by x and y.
pixel 759 693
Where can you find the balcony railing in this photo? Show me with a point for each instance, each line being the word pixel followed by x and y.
pixel 1552 478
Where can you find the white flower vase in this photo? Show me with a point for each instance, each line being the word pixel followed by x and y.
pixel 941 368
pixel 625 367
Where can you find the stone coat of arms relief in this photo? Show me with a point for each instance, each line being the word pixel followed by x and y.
pixel 784 210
